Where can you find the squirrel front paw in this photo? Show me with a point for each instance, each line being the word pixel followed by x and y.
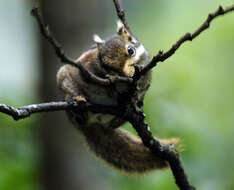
pixel 81 116
pixel 80 99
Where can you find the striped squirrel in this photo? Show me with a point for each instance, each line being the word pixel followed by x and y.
pixel 116 55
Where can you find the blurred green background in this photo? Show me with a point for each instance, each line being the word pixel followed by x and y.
pixel 191 96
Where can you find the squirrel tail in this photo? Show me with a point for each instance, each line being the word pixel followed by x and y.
pixel 123 150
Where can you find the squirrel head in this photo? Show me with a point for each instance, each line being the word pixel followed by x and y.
pixel 121 52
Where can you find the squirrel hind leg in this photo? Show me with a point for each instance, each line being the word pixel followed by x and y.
pixel 67 83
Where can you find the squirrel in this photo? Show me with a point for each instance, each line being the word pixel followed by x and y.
pixel 116 55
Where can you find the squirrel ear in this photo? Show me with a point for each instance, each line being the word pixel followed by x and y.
pixel 121 30
pixel 98 40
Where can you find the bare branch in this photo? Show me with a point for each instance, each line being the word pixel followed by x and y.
pixel 129 114
pixel 160 57
pixel 128 111
pixel 121 14
pixel 165 152
pixel 26 111
pixel 45 31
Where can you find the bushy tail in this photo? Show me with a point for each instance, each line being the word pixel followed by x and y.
pixel 123 150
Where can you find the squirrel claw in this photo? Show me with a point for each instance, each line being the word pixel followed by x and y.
pixel 80 99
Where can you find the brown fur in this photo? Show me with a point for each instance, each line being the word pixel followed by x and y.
pixel 116 146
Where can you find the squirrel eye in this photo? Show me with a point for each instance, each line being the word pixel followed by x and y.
pixel 131 50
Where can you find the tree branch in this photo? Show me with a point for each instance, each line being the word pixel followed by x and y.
pixel 121 14
pixel 45 31
pixel 160 57
pixel 26 111
pixel 127 112
pixel 164 152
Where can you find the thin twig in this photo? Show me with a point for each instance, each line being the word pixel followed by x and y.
pixel 121 14
pixel 160 57
pixel 45 31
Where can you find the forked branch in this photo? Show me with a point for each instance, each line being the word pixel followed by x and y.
pixel 128 113
pixel 46 33
pixel 160 57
